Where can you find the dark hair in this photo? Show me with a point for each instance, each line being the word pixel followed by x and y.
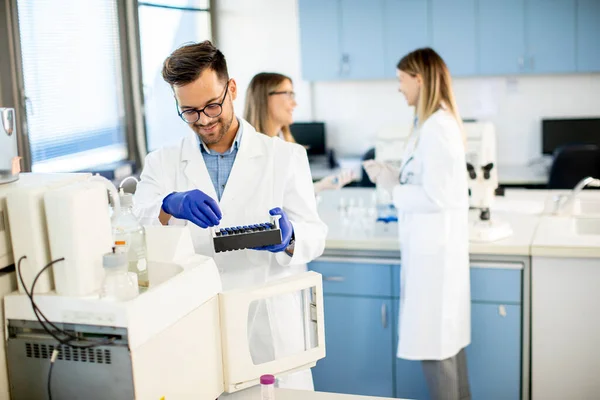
pixel 188 62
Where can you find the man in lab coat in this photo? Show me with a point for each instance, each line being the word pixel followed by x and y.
pixel 225 173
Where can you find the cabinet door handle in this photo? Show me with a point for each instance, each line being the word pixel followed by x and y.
pixel 531 63
pixel 521 62
pixel 345 64
pixel 384 321
pixel 502 311
pixel 334 278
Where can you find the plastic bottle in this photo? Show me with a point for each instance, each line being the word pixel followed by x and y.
pixel 267 387
pixel 119 284
pixel 130 238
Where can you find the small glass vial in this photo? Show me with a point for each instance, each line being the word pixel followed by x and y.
pixel 267 387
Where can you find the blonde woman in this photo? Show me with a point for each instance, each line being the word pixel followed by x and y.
pixel 270 104
pixel 431 195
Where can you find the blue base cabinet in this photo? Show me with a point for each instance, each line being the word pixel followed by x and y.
pixel 361 332
pixel 358 336
pixel 494 356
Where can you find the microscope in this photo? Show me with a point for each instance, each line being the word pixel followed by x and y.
pixel 483 180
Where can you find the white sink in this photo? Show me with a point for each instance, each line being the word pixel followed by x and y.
pixel 589 207
pixel 587 226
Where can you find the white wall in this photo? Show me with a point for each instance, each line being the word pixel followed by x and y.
pixel 262 35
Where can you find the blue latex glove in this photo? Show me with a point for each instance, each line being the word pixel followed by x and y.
pixel 286 232
pixel 194 206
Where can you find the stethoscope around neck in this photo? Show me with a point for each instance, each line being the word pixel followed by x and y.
pixel 405 179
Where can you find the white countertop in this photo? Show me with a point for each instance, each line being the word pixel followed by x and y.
pixel 520 208
pixel 535 230
pixel 527 211
pixel 519 243
pixel 556 237
pixel 287 394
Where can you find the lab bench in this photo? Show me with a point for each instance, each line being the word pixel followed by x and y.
pixel 361 294
pixel 531 297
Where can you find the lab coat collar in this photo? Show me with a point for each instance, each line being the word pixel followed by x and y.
pixel 235 145
pixel 246 164
pixel 249 147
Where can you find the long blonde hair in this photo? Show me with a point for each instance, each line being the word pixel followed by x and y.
pixel 256 110
pixel 436 91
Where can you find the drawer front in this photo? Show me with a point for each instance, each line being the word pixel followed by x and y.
pixel 354 278
pixel 487 284
pixel 496 285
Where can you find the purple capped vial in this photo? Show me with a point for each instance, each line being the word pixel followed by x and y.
pixel 267 387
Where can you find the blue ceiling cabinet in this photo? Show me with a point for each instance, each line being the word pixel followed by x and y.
pixel 341 39
pixel 362 39
pixel 501 37
pixel 365 39
pixel 453 25
pixel 550 33
pixel 319 35
pixel 405 28
pixel 588 35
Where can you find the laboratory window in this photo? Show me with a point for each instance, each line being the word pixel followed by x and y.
pixel 163 27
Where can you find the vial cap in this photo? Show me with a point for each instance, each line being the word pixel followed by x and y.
pixel 267 380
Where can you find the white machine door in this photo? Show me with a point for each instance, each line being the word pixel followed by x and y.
pixel 275 329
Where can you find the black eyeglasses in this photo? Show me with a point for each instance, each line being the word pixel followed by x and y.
pixel 290 94
pixel 212 110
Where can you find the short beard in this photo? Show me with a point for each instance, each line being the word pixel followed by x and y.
pixel 220 133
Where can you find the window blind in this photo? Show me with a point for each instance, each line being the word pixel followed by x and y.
pixel 73 83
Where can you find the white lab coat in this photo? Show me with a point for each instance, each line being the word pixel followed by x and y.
pixel 267 173
pixel 432 201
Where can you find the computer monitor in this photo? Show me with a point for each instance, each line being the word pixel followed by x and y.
pixel 311 135
pixel 561 132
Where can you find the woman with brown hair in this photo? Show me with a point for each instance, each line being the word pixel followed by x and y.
pixel 431 194
pixel 270 103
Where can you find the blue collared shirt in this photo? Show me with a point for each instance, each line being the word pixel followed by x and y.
pixel 219 165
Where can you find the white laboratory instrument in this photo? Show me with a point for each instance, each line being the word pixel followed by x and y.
pixel 8 284
pixel 23 232
pixel 27 221
pixel 181 339
pixel 482 171
pixel 79 231
pixel 390 143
